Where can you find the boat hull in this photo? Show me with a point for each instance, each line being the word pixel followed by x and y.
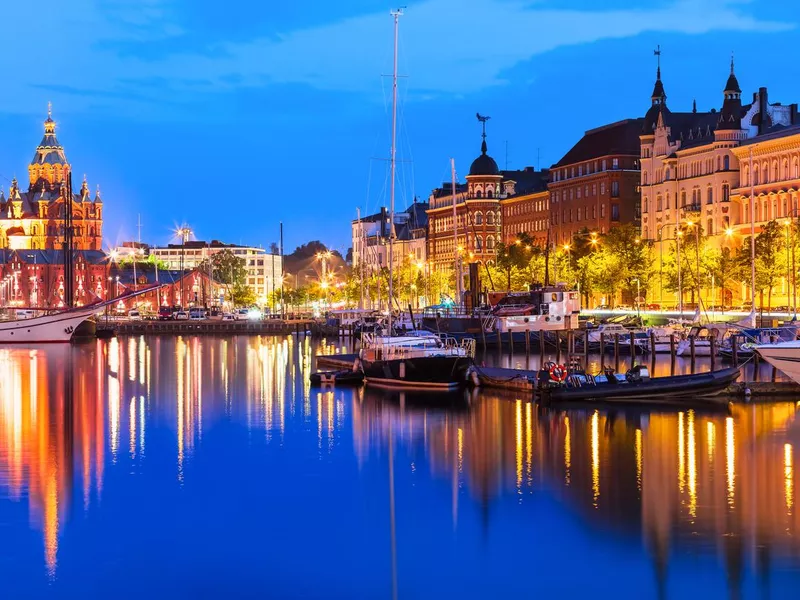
pixel 426 372
pixel 784 356
pixel 56 328
pixel 682 389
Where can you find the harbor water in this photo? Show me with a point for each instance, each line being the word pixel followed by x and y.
pixel 205 467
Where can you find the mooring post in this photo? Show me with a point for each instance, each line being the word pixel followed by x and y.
pixel 691 352
pixel 672 354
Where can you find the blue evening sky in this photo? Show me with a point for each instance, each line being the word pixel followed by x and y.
pixel 232 116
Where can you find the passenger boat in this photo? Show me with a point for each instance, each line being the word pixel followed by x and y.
pixel 748 339
pixel 636 386
pixel 55 327
pixel 418 361
pixel 608 333
pixel 784 356
pixel 702 336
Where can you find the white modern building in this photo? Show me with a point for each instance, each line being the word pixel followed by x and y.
pixel 263 269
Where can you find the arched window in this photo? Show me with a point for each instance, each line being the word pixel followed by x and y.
pixel 726 193
pixel 490 242
pixel 489 217
pixel 775 170
pixel 796 168
pixel 646 205
pixel 718 163
pixel 710 195
pixel 35 230
pixel 478 218
pixel 785 169
pixel 755 175
pixel 666 174
pixel 683 198
pixel 489 193
pixel 479 194
pixel 644 178
pixel 726 162
pixel 746 176
pixel 710 227
pixel 658 202
pixel 479 243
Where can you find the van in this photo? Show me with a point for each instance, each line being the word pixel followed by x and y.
pixel 197 314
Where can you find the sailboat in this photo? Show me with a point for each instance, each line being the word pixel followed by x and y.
pixel 420 359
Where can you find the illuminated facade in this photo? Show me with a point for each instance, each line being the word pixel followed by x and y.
pixel 34 219
pixel 595 185
pixel 526 205
pixel 370 237
pixel 691 163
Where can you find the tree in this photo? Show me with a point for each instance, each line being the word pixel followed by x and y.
pixel 243 295
pixel 770 250
pixel 722 265
pixel 515 255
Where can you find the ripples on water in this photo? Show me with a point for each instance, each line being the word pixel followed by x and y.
pixel 208 467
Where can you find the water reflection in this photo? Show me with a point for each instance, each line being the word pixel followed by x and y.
pixel 710 483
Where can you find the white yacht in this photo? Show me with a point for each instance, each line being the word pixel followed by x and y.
pixel 784 356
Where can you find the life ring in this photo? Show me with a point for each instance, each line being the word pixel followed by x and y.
pixel 558 373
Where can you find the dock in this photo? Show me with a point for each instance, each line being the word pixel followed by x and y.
pixel 212 327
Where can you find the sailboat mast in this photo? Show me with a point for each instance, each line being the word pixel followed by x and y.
pixel 360 259
pixel 457 262
pixel 396 14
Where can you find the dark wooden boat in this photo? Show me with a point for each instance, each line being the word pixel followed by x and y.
pixel 418 372
pixel 637 387
pixel 340 378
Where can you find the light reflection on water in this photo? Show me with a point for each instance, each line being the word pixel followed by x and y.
pixel 80 424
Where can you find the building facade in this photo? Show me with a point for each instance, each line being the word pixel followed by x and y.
pixel 34 219
pixel 370 238
pixel 263 270
pixel 526 205
pixel 691 164
pixel 474 232
pixel 595 185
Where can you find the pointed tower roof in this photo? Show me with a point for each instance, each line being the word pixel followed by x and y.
pixel 730 117
pixel 484 164
pixel 658 99
pixel 50 151
pixel 732 85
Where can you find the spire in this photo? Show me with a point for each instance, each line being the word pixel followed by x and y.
pixel 97 197
pixel 732 85
pixel 694 105
pixel 483 134
pixel 730 117
pixel 658 96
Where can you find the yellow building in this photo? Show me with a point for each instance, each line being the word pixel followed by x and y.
pixel 34 219
pixel 690 166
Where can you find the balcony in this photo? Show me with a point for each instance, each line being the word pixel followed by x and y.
pixel 691 208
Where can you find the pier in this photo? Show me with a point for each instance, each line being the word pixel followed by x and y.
pixel 211 327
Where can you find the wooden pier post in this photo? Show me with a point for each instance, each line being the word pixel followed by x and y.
pixel 633 348
pixel 691 353
pixel 558 346
pixel 672 354
pixel 616 352
pixel 510 342
pixel 602 351
pixel 540 335
pixel 483 337
pixel 713 352
pixel 585 348
pixel 652 352
pixel 527 343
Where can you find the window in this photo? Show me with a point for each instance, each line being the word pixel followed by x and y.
pixel 479 243
pixel 666 174
pixel 489 218
pixel 594 212
pixel 580 170
pixel 489 193
pixel 586 191
pixel 479 194
pixel 785 169
pixel 796 168
pixel 644 178
pixel 602 211
pixel 710 195
pixel 755 175
pixel 490 243
pixel 603 184
pixel 683 198
pixel 594 189
pixel 615 163
pixel 726 193
pixel 646 205
pixel 615 189
pixel 604 164
pixel 658 202
pixel 615 212
pixel 726 163
pixel 578 218
pixel 710 227
pixel 478 218
pixel 579 193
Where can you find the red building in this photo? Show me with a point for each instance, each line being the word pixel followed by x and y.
pixel 35 279
pixel 595 186
pixel 525 206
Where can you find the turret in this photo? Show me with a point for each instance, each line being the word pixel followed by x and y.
pixel 730 116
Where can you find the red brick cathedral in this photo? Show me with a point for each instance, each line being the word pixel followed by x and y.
pixel 34 219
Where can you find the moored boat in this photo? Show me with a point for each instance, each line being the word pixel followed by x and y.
pixel 784 356
pixel 636 386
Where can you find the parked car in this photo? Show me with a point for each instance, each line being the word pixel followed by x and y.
pixel 134 315
pixel 227 317
pixel 164 313
pixel 718 308
pixel 653 306
pixel 241 314
pixel 180 315
pixel 624 307
pixel 783 309
pixel 197 314
pixel 602 307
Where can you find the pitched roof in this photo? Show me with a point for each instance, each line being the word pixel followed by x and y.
pixel 621 137
pixel 527 180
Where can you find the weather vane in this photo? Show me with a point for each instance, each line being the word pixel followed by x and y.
pixel 483 120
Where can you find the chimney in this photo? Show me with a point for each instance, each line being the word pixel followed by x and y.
pixel 384 217
pixel 762 109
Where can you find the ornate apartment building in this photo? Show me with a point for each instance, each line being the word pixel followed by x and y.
pixel 527 208
pixel 596 184
pixel 34 219
pixel 691 165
